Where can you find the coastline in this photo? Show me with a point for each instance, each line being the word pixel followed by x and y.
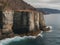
pixel 30 34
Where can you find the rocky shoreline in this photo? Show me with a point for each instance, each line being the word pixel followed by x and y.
pixel 12 34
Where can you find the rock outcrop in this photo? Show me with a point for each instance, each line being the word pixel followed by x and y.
pixel 17 18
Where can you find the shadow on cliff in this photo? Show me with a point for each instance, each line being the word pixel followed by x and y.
pixel 20 31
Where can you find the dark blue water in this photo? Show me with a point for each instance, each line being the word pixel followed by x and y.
pixel 52 38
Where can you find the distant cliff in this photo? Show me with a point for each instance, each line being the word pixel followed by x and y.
pixel 48 10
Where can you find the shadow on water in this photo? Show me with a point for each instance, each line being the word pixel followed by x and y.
pixel 28 41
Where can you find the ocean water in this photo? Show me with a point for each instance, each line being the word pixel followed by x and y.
pixel 48 38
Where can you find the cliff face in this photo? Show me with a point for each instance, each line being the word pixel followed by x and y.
pixel 22 24
pixel 20 18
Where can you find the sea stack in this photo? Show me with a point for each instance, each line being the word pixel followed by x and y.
pixel 19 18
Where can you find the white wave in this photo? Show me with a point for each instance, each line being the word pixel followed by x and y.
pixel 49 27
pixel 40 34
pixel 34 37
pixel 17 38
pixel 8 40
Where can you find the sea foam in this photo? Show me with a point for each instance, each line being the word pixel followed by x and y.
pixel 17 38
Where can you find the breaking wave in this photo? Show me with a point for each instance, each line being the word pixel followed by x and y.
pixel 17 40
pixel 26 40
